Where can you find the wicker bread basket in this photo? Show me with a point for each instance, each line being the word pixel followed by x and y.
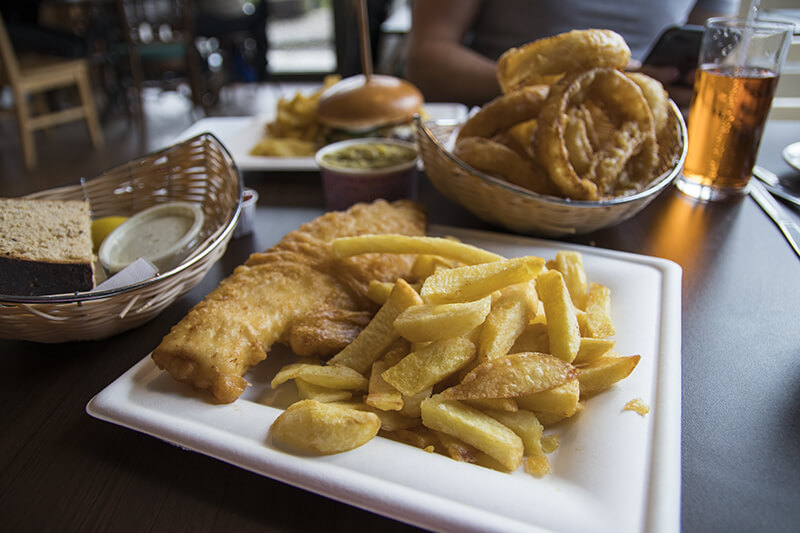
pixel 199 170
pixel 522 211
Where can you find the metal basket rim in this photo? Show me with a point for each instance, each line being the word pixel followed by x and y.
pixel 72 298
pixel 657 185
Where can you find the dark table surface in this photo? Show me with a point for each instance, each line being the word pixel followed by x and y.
pixel 61 469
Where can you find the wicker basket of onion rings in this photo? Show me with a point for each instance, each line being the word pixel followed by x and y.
pixel 568 148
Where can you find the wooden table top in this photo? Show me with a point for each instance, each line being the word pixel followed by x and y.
pixel 64 470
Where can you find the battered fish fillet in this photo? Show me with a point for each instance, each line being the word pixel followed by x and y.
pixel 233 328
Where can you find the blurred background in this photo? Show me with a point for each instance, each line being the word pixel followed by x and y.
pixel 157 66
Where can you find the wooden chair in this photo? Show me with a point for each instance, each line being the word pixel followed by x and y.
pixel 160 38
pixel 30 78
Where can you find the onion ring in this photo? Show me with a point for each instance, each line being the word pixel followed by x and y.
pixel 544 61
pixel 577 141
pixel 632 140
pixel 520 137
pixel 657 98
pixel 629 144
pixel 498 160
pixel 505 111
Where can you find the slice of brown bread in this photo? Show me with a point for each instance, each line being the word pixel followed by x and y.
pixel 45 247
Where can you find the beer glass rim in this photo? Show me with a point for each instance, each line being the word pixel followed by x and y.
pixel 761 25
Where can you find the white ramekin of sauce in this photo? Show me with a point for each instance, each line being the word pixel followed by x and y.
pixel 164 234
pixel 363 170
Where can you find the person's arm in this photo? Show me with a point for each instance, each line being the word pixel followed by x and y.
pixel 705 9
pixel 438 63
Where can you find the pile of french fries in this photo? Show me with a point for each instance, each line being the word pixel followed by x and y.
pixel 474 362
pixel 296 130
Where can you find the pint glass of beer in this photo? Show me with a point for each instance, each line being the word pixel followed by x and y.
pixel 736 77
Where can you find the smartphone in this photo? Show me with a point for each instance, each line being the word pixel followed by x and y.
pixel 677 46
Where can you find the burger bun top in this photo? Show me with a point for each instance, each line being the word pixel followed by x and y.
pixel 359 103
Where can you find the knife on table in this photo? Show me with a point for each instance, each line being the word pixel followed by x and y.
pixel 787 225
pixel 773 184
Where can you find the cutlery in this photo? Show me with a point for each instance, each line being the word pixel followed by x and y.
pixel 773 184
pixel 771 207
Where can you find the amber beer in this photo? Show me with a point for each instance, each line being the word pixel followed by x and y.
pixel 740 60
pixel 726 119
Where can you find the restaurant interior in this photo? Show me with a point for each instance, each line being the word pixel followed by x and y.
pixel 96 88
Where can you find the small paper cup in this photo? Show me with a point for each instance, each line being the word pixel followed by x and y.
pixel 344 186
pixel 248 215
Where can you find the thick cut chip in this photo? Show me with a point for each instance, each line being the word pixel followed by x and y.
pixel 325 376
pixel 549 419
pixel 399 349
pixel 418 436
pixel 487 461
pixel 475 428
pixel 379 291
pixel 508 318
pixel 598 312
pixel 431 322
pixel 512 376
pixel 581 315
pixel 426 264
pixel 310 391
pixel 602 374
pixel 461 451
pixel 533 339
pixel 592 349
pixel 379 334
pixel 390 420
pixel 561 400
pixel 472 282
pixel 424 368
pixel 411 404
pixel 457 449
pixel 570 264
pixel 498 404
pixel 394 421
pixel 313 427
pixel 382 395
pixel 404 244
pixel 562 324
pixel 525 424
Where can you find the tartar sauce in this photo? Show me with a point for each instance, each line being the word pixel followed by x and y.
pixel 370 155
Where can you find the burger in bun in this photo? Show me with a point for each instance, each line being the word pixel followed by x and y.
pixel 375 105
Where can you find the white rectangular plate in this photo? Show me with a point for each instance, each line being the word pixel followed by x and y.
pixel 613 471
pixel 240 134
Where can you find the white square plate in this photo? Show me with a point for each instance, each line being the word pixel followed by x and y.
pixel 240 134
pixel 613 471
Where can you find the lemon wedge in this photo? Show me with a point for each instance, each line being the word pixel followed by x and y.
pixel 102 227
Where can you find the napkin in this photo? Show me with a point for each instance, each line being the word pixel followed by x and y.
pixel 138 271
